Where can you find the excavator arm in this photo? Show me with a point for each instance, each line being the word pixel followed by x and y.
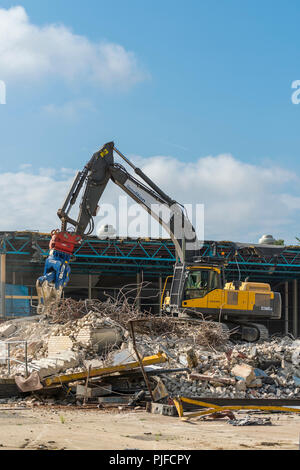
pixel 94 179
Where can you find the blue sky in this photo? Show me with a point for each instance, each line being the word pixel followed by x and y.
pixel 207 78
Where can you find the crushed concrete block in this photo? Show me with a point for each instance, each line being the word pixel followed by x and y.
pixel 93 363
pixel 244 372
pixel 161 409
pixel 67 358
pixel 54 364
pixel 160 390
pixel 123 357
pixel 192 359
pixel 260 373
pixel 6 330
pixel 188 359
pixel 241 386
pixel 255 383
pixel 3 353
pixel 57 344
pixel 100 391
pixel 296 380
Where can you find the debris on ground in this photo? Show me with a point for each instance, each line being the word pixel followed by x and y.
pixel 248 421
pixel 88 337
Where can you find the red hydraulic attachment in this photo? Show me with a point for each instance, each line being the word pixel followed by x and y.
pixel 64 241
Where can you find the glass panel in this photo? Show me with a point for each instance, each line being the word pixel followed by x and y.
pixel 199 283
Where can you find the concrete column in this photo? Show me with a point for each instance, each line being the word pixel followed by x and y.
pixel 3 285
pixel 286 307
pixel 160 291
pixel 295 308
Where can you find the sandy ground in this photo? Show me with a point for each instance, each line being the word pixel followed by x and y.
pixel 71 429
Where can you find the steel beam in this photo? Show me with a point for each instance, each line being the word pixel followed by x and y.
pixel 160 293
pixel 138 290
pixel 286 307
pixel 3 285
pixel 90 286
pixel 295 308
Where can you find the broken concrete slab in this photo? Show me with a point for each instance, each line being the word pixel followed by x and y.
pixel 93 363
pixel 88 392
pixel 160 390
pixel 188 359
pixel 7 329
pixel 54 364
pixel 255 383
pixel 30 383
pixel 57 344
pixel 162 409
pixel 122 357
pixel 241 386
pixel 244 372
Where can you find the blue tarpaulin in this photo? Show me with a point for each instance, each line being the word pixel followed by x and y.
pixel 17 307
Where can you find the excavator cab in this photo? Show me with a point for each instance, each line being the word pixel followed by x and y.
pixel 191 282
pixel 200 281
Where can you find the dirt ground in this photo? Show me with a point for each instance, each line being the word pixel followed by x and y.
pixel 77 429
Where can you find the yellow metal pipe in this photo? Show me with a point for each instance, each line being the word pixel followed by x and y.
pixel 211 408
pixel 34 297
pixel 147 361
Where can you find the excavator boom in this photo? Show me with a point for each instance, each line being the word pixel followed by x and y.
pixel 93 180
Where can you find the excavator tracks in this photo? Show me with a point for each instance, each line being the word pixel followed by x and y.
pixel 252 332
pixel 263 331
pixel 245 331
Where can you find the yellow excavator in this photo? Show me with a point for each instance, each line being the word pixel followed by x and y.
pixel 198 285
pixel 199 289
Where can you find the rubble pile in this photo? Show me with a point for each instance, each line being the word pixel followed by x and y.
pixel 267 370
pixel 201 359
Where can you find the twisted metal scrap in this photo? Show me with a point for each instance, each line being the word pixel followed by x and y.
pixel 121 311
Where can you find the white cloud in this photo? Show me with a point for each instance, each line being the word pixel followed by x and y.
pixel 242 201
pixel 28 52
pixel 29 201
pixel 70 110
pixel 25 166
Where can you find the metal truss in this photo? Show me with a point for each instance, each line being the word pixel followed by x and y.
pixel 119 256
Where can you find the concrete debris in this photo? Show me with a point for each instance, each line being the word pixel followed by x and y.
pixel 244 372
pixel 216 380
pixel 160 392
pixel 82 391
pixel 161 409
pixel 54 364
pixel 96 335
pixel 31 383
pixel 6 330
